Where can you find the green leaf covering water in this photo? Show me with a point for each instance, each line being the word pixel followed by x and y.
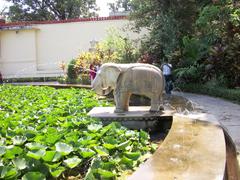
pixel 20 163
pixel 101 151
pixel 94 127
pixel 123 145
pixel 2 150
pixel 8 172
pixel 109 146
pixel 132 155
pixel 128 162
pixel 12 151
pixel 105 174
pixel 35 146
pixel 19 140
pixel 72 162
pixel 52 156
pixel 33 176
pixel 36 154
pixel 63 148
pixel 56 172
pixel 46 133
pixel 86 153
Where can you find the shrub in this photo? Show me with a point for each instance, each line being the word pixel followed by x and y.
pixel 85 79
pixel 189 74
pixel 217 91
pixel 114 48
pixel 71 73
pixel 194 49
pixel 118 48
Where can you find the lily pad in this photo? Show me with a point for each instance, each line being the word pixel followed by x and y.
pixel 105 173
pixel 8 172
pixel 72 162
pixel 101 151
pixel 86 153
pixel 19 140
pixel 52 166
pixel 36 154
pixel 12 151
pixel 2 141
pixel 56 172
pixel 123 145
pixel 132 155
pixel 94 127
pixel 35 146
pixel 52 156
pixel 109 146
pixel 34 176
pixel 2 150
pixel 20 163
pixel 63 148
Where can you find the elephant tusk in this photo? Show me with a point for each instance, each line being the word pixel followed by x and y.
pixel 106 88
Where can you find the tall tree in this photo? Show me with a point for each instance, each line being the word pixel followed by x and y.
pixel 167 20
pixel 28 10
pixel 120 5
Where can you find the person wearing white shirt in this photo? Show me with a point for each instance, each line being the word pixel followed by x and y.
pixel 167 73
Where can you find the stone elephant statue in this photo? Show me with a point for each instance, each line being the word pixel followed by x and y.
pixel 127 79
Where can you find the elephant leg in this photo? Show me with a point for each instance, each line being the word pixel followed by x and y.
pixel 161 108
pixel 155 103
pixel 126 100
pixel 122 101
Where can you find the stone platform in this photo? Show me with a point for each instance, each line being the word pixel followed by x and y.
pixel 138 117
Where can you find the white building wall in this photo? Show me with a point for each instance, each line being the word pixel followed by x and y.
pixel 18 53
pixel 37 52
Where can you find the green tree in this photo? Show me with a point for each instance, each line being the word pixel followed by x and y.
pixel 28 10
pixel 120 5
pixel 2 11
pixel 168 21
pixel 119 48
pixel 219 23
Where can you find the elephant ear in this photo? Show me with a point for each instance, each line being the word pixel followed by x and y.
pixel 111 75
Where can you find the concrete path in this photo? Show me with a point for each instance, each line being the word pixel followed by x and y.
pixel 227 113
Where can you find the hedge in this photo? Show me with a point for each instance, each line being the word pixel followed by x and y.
pixel 222 92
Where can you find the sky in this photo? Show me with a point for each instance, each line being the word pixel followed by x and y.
pixel 104 10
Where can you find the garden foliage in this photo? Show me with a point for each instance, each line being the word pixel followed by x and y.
pixel 46 133
pixel 25 10
pixel 212 89
pixel 114 48
pixel 200 38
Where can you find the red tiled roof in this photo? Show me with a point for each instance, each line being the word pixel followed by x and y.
pixel 27 23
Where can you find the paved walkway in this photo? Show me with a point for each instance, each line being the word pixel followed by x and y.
pixel 227 113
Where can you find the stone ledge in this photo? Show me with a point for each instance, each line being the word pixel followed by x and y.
pixel 134 112
pixel 193 150
pixel 138 117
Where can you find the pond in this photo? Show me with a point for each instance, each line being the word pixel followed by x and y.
pixel 46 133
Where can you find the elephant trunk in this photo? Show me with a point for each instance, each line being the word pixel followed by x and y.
pixel 98 87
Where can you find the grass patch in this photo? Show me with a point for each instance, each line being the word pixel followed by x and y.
pixel 222 92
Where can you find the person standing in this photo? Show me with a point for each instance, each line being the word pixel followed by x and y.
pixel 167 73
pixel 92 72
pixel 1 78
